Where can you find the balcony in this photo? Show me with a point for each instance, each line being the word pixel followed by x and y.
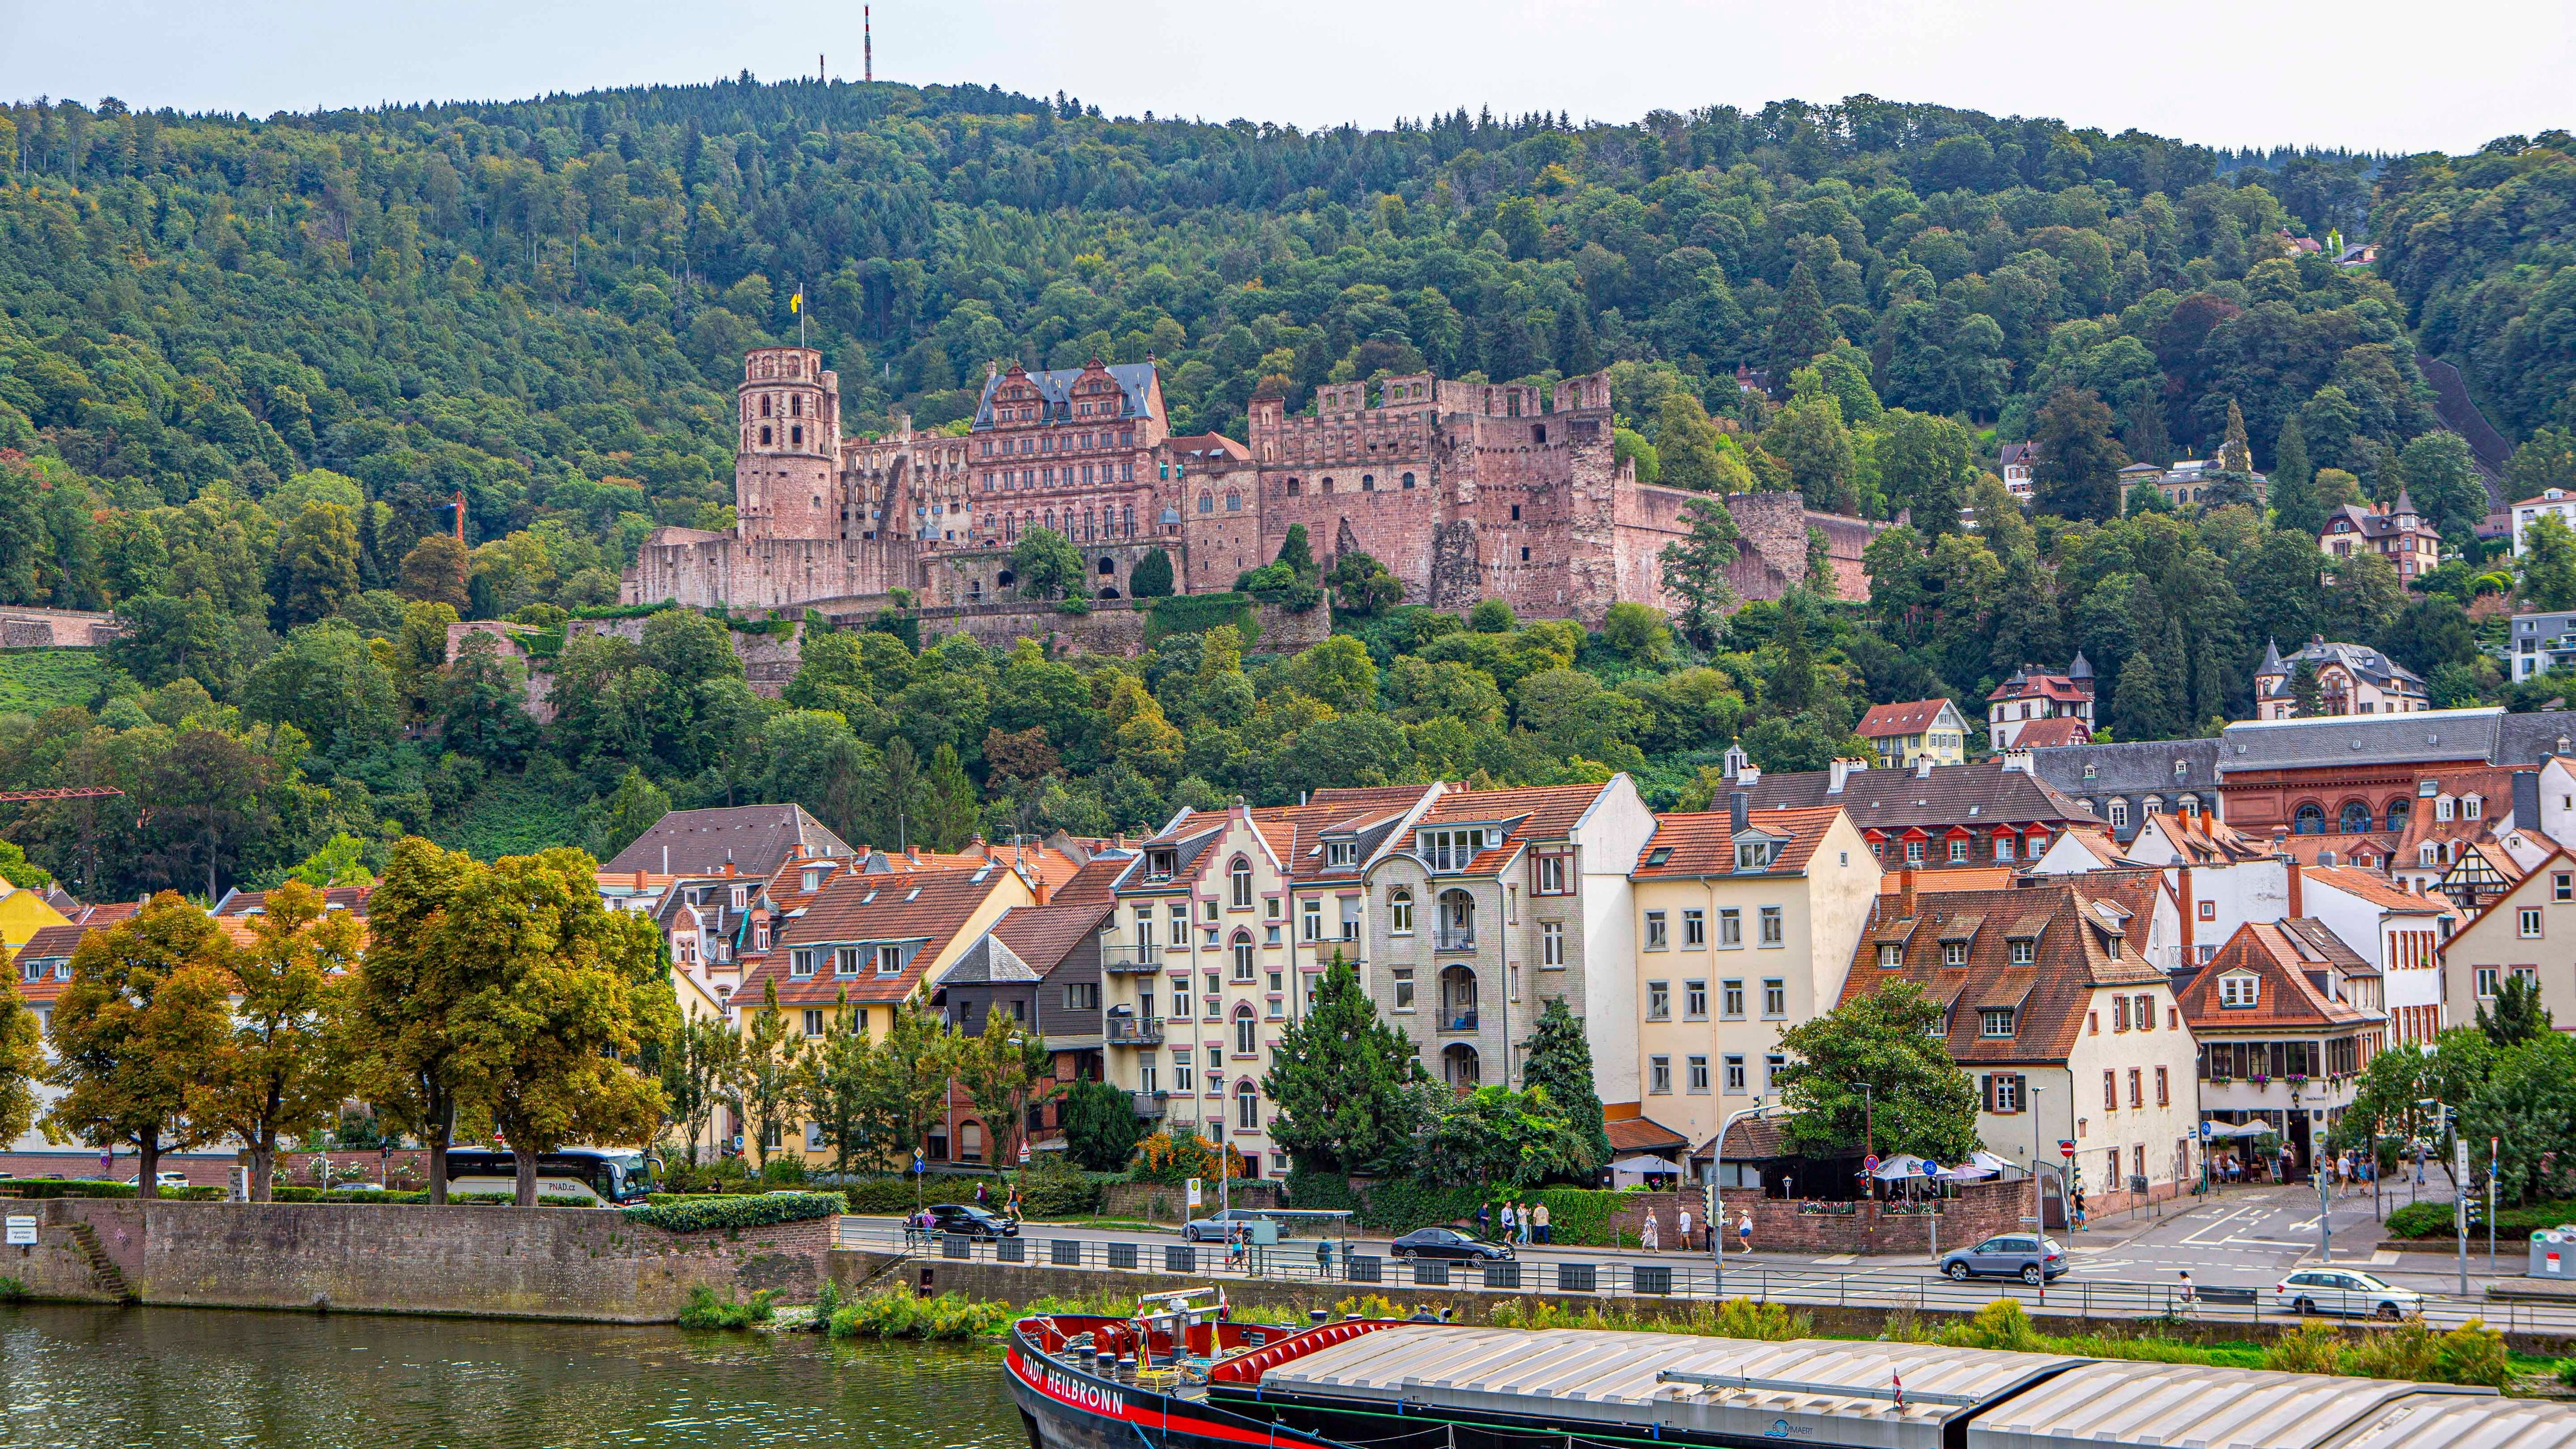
pixel 1457 1021
pixel 1453 938
pixel 1129 959
pixel 1128 1031
pixel 1150 1105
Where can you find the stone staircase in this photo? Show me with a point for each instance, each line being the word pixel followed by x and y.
pixel 103 1271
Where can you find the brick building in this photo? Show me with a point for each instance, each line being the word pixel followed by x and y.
pixel 1464 491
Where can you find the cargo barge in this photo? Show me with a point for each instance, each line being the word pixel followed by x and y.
pixel 1181 1374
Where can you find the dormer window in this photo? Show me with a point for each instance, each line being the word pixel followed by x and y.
pixel 1753 855
pixel 2023 950
pixel 1891 955
pixel 889 960
pixel 1995 1022
pixel 1954 953
pixel 1452 849
pixel 2239 989
pixel 1341 852
pixel 1159 864
pixel 813 880
pixel 845 962
pixel 800 963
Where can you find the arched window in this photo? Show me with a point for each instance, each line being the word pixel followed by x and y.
pixel 1108 565
pixel 764 436
pixel 2155 805
pixel 1245 1040
pixel 1233 501
pixel 1240 875
pixel 2311 820
pixel 1368 482
pixel 970 1142
pixel 2355 819
pixel 1294 488
pixel 1457 998
pixel 1328 485
pixel 1408 480
pixel 1399 911
pixel 1459 1067
pixel 1457 921
pixel 1207 501
pixel 1243 955
pixel 1247 1107
pixel 2399 812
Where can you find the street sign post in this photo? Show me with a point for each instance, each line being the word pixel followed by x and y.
pixel 2460 1205
pixel 1194 1194
pixel 2066 1147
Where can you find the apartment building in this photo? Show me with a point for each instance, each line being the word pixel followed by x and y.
pixel 2287 1016
pixel 2071 1034
pixel 1746 922
pixel 2393 929
pixel 1495 903
pixel 1921 729
pixel 2528 931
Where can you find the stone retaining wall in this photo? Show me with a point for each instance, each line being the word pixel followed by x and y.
pixel 1151 1202
pixel 496 1262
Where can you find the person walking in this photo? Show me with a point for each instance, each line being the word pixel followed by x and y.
pixel 1511 1223
pixel 1682 1227
pixel 1538 1221
pixel 1744 1231
pixel 1648 1238
pixel 1484 1221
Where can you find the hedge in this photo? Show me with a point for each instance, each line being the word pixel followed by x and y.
pixel 710 1214
pixel 895 1194
pixel 1578 1216
pixel 2432 1220
pixel 1198 613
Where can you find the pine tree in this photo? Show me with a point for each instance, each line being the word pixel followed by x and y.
pixel 1792 685
pixel 2290 454
pixel 1152 576
pixel 1694 567
pixel 1296 552
pixel 1558 1058
pixel 2235 453
pixel 1345 1081
pixel 2139 705
pixel 2305 698
pixel 949 807
pixel 2296 506
pixel 1803 327
pixel 2143 434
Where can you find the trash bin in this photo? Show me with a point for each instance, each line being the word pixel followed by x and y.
pixel 2553 1253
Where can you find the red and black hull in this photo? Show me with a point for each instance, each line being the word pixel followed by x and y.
pixel 1066 1408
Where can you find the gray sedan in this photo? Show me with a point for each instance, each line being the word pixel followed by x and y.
pixel 2026 1256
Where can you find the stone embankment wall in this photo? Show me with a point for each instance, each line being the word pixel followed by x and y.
pixel 494 1262
pixel 1152 1202
pixel 1115 626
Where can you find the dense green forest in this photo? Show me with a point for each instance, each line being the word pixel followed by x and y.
pixel 246 364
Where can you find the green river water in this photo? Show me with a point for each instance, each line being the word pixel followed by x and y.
pixel 82 1377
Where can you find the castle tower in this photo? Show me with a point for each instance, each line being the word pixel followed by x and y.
pixel 785 462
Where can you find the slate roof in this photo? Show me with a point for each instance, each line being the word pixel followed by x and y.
pixel 2288 963
pixel 334 898
pixel 2528 739
pixel 2131 768
pixel 2027 685
pixel 1055 385
pixel 2378 739
pixel 757 839
pixel 988 962
pixel 1702 843
pixel 1979 793
pixel 1910 718
pixel 2056 730
pixel 929 907
pixel 2371 523
pixel 2361 660
pixel 2084 941
pixel 1044 935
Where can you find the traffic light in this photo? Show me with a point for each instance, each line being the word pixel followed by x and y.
pixel 2477 1206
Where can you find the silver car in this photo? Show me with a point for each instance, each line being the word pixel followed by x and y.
pixel 2027 1256
pixel 2344 1291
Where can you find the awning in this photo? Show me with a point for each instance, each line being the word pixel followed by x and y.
pixel 1642 1164
pixel 2236 1129
pixel 1899 1167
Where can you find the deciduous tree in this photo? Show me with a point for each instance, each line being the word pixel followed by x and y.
pixel 1890 1040
pixel 276 1074
pixel 135 1029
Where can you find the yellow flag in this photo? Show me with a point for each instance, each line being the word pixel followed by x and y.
pixel 797 302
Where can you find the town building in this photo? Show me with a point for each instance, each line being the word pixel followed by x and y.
pixel 1745 923
pixel 2015 463
pixel 2195 483
pixel 2558 503
pixel 1061 942
pixel 2033 696
pixel 2396 532
pixel 2070 1033
pixel 2287 1016
pixel 2398 931
pixel 2543 642
pixel 754 839
pixel 2124 785
pixel 2351 679
pixel 1988 814
pixel 2529 931
pixel 1464 491
pixel 1925 729
pixel 1498 902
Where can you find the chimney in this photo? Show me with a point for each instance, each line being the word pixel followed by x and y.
pixel 2188 910
pixel 2298 897
pixel 1038 885
pixel 1841 771
pixel 2526 800
pixel 1905 892
pixel 1735 809
pixel 2017 759
pixel 1748 775
pixel 1923 767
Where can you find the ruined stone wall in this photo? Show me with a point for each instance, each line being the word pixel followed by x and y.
pixel 769 661
pixel 1220 541
pixel 983 575
pixel 1115 627
pixel 707 570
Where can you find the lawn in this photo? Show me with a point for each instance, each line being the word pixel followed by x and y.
pixel 35 680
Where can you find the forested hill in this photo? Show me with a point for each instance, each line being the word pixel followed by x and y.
pixel 244 364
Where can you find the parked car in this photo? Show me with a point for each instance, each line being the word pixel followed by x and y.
pixel 2341 1290
pixel 1447 1243
pixel 968 1220
pixel 1212 1228
pixel 160 1179
pixel 2009 1255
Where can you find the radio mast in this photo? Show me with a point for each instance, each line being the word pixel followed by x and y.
pixel 868 44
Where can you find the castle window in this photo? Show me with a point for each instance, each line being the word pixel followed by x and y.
pixel 1328 485
pixel 1207 501
pixel 1408 480
pixel 764 435
pixel 1368 482
pixel 1127 520
pixel 1538 433
pixel 1233 501
pixel 796 435
pixel 764 405
pixel 1516 513
pixel 1293 487
pixel 796 407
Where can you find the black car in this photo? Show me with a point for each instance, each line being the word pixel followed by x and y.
pixel 968 1220
pixel 1447 1243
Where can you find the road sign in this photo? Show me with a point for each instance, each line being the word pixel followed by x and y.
pixel 2066 1147
pixel 22 1232
pixel 1869 1163
pixel 918 1166
pixel 1930 1168
pixel 1195 1193
pixel 1024 1154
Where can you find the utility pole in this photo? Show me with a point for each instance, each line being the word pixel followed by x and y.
pixel 2325 1217
pixel 1716 1203
pixel 2491 1204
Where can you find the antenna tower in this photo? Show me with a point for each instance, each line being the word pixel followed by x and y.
pixel 868 42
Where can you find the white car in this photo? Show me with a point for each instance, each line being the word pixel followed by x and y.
pixel 160 1179
pixel 2344 1291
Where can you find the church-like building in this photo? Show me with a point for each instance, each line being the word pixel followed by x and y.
pixel 1463 491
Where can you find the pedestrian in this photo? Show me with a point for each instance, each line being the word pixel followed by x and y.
pixel 1647 1238
pixel 1538 1221
pixel 2186 1285
pixel 1510 1222
pixel 979 1194
pixel 1012 1208
pixel 1744 1230
pixel 1484 1220
pixel 1324 1257
pixel 1682 1228
pixel 2077 1207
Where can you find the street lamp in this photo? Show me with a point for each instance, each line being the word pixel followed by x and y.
pixel 1716 1204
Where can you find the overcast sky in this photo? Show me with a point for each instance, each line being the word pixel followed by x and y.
pixel 2372 74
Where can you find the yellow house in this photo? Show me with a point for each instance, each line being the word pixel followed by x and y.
pixel 1920 729
pixel 23 913
pixel 1746 922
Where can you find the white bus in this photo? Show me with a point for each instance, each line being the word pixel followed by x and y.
pixel 607 1176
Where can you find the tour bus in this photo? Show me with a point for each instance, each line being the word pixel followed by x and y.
pixel 605 1175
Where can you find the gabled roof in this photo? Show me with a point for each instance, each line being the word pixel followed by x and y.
pixel 2360 660
pixel 2371 523
pixel 1979 793
pixel 929 907
pixel 1643 1134
pixel 2288 964
pixel 334 898
pixel 1532 814
pixel 1366 817
pixel 2077 948
pixel 989 962
pixel 756 839
pixel 2057 729
pixel 2372 888
pixel 1044 935
pixel 1910 718
pixel 2201 838
pixel 1702 843
pixel 1055 385
pixel 2063 688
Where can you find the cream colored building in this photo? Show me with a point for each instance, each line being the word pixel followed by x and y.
pixel 1746 921
pixel 2529 931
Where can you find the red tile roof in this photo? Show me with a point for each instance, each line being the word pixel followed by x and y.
pixel 2057 729
pixel 1044 935
pixel 1703 843
pixel 2286 964
pixel 2083 940
pixel 1910 718
pixel 929 907
pixel 2056 687
pixel 2372 888
pixel 1643 1134
pixel 1533 813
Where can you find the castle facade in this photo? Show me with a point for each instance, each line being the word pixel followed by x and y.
pixel 1463 491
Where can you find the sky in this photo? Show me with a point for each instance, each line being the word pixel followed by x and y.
pixel 2367 74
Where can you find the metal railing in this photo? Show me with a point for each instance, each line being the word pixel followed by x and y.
pixel 1130 958
pixel 1128 1031
pixel 1151 1105
pixel 1612 1275
pixel 1453 938
pixel 1457 1021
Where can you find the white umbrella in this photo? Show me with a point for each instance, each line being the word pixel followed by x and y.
pixel 1644 1163
pixel 1990 1162
pixel 1965 1174
pixel 1898 1167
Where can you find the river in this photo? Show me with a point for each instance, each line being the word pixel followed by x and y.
pixel 73 1378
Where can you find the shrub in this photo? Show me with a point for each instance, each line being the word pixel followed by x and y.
pixel 904 1315
pixel 2408 1351
pixel 2473 1354
pixel 1056 1189
pixel 783 1172
pixel 2001 1324
pixel 2567 1372
pixel 2311 1348
pixel 827 1301
pixel 12 1290
pixel 895 1194
pixel 709 1214
pixel 706 1310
